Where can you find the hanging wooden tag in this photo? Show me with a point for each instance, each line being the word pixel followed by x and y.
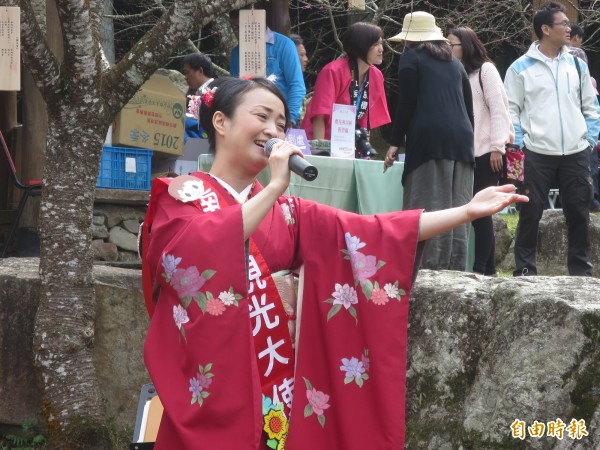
pixel 253 52
pixel 10 48
pixel 357 4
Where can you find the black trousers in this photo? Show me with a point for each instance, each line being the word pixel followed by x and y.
pixel 485 240
pixel 572 173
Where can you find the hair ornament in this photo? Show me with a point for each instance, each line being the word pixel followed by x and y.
pixel 207 96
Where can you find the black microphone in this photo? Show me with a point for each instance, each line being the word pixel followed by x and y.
pixel 297 164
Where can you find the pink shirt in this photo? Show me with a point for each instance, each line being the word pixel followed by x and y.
pixel 333 86
pixel 493 127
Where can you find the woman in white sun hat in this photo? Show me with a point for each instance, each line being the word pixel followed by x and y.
pixel 434 121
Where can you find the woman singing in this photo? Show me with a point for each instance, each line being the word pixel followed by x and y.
pixel 230 371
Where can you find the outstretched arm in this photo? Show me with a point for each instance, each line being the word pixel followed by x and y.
pixel 485 203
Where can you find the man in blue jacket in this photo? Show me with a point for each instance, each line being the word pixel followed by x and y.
pixel 282 63
pixel 555 115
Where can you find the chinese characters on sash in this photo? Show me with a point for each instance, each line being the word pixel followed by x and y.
pixel 271 335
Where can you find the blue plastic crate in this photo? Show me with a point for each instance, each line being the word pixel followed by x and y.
pixel 125 168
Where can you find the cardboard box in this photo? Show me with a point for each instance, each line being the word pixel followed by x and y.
pixel 153 119
pixel 185 164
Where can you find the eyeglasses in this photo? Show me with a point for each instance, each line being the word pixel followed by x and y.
pixel 453 45
pixel 561 24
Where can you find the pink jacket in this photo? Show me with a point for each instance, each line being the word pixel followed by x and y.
pixel 333 86
pixel 493 127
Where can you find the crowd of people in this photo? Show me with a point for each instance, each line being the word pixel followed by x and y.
pixel 239 357
pixel 453 119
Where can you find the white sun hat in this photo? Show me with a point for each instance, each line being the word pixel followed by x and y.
pixel 419 27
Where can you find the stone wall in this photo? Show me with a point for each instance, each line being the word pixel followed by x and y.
pixel 482 353
pixel 115 232
pixel 121 324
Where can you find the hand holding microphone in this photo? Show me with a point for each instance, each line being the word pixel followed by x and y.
pixel 297 164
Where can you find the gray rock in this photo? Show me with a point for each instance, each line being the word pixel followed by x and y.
pixel 131 225
pixel 486 351
pixel 503 238
pixel 128 257
pixel 98 220
pixel 99 232
pixel 104 251
pixel 123 239
pixel 115 214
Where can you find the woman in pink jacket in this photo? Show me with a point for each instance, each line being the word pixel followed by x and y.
pixel 353 80
pixel 493 130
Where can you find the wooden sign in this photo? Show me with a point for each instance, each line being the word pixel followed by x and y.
pixel 10 48
pixel 357 4
pixel 253 50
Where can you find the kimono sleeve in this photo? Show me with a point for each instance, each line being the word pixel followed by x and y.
pixel 198 350
pixel 351 346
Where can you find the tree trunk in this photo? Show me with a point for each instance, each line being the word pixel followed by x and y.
pixel 83 94
pixel 64 327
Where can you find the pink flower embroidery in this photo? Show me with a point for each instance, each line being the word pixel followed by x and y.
pixel 363 266
pixel 180 315
pixel 318 400
pixel 344 295
pixel 187 282
pixel 203 381
pixel 215 307
pixel 365 360
pixel 379 296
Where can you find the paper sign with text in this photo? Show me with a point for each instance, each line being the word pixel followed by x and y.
pixel 356 4
pixel 10 48
pixel 298 137
pixel 343 120
pixel 253 50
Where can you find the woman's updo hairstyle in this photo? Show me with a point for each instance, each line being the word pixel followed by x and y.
pixel 359 38
pixel 227 94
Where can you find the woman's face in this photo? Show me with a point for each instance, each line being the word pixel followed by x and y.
pixel 456 46
pixel 375 53
pixel 259 116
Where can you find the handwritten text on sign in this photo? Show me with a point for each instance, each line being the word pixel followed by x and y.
pixel 10 48
pixel 253 52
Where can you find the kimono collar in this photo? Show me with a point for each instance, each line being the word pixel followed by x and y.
pixel 239 196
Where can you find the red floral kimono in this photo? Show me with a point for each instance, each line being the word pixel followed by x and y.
pixel 218 349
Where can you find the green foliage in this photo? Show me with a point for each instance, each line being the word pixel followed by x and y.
pixel 28 439
pixel 511 220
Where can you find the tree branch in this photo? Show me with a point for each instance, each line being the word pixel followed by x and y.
pixel 172 29
pixel 41 62
pixel 81 38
